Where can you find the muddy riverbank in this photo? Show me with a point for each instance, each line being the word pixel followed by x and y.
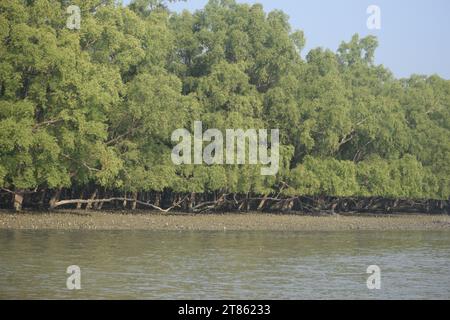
pixel 76 220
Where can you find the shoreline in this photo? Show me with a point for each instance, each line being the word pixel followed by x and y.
pixel 151 221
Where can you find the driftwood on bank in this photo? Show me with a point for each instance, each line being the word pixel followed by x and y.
pixel 90 202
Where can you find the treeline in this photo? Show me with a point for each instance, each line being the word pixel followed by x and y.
pixel 86 115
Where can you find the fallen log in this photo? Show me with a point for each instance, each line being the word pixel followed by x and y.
pixel 93 201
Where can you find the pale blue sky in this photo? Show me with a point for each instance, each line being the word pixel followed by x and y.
pixel 414 35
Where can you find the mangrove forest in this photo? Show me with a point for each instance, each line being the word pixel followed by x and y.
pixel 87 114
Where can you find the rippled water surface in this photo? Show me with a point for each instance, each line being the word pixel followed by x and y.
pixel 224 265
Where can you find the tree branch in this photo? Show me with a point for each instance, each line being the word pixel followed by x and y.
pixel 147 204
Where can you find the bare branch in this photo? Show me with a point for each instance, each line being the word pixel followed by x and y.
pixel 147 204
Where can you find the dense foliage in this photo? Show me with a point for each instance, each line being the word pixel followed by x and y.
pixel 91 111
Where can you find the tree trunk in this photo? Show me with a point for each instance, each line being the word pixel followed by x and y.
pixel 18 200
pixel 42 199
pixel 100 204
pixel 191 202
pixel 134 205
pixel 89 205
pixel 262 203
pixel 79 204
pixel 55 199
pixel 124 203
pixel 158 199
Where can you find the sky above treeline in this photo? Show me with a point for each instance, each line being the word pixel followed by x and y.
pixel 414 36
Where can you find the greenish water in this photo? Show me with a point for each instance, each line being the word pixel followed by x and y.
pixel 224 265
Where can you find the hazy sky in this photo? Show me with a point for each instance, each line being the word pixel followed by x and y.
pixel 414 35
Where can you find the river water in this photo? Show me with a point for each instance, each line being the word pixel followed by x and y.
pixel 224 265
